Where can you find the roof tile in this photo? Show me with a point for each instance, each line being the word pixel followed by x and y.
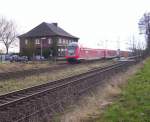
pixel 47 29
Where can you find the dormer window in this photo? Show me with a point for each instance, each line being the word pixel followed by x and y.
pixel 26 42
pixel 37 41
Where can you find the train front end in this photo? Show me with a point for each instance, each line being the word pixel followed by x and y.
pixel 72 53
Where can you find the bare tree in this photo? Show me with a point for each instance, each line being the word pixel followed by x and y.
pixel 144 26
pixel 7 33
pixel 136 46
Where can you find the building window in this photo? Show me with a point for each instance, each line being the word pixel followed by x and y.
pixel 26 42
pixel 67 41
pixel 59 49
pixel 37 41
pixel 43 38
pixel 70 41
pixel 49 41
pixel 59 41
pixel 64 41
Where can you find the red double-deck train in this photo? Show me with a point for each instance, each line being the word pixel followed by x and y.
pixel 77 53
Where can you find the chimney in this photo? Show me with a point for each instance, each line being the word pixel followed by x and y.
pixel 55 24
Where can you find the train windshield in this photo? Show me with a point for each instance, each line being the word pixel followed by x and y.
pixel 71 50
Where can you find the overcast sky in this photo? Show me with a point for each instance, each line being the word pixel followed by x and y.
pixel 93 21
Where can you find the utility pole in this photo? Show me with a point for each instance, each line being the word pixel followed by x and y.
pixel 41 44
pixel 41 49
pixel 118 47
pixel 105 48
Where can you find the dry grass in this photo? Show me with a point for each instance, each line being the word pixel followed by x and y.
pixel 93 104
pixel 24 82
pixel 16 66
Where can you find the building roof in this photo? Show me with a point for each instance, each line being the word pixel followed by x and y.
pixel 47 29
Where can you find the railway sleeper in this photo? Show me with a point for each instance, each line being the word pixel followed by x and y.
pixel 49 104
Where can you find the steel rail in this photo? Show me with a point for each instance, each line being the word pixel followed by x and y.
pixel 26 94
pixel 30 103
pixel 65 84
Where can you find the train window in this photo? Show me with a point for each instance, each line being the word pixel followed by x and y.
pixel 71 50
pixel 72 47
pixel 86 51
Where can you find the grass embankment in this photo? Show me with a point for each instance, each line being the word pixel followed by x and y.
pixel 37 79
pixel 17 66
pixel 133 105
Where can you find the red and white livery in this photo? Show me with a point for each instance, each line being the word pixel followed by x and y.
pixel 77 53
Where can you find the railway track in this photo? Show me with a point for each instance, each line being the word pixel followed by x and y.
pixel 9 98
pixel 65 88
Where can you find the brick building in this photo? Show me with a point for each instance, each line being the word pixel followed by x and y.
pixel 45 39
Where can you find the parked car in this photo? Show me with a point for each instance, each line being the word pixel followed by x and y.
pixel 23 59
pixel 7 57
pixel 2 57
pixel 39 58
pixel 16 58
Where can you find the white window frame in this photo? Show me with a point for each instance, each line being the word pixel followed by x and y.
pixel 70 41
pixel 64 41
pixel 37 41
pixel 43 38
pixel 59 49
pixel 59 41
pixel 49 41
pixel 26 42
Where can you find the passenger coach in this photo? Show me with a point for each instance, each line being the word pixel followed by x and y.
pixel 77 53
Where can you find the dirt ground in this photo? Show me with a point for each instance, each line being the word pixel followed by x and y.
pixel 94 103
